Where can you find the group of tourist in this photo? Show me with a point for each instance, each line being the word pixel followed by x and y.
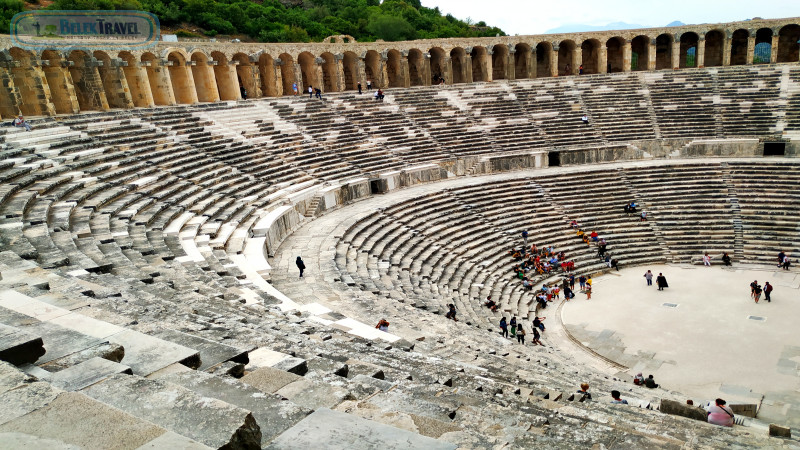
pixel 756 290
pixel 518 332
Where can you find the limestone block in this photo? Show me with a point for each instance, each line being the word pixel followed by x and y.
pixel 11 377
pixel 18 402
pixel 18 346
pixel 21 440
pixel 267 379
pixel 87 373
pixel 211 353
pixel 314 395
pixel 779 431
pixel 683 410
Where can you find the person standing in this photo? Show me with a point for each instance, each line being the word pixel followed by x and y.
pixel 300 265
pixel 753 288
pixel 757 293
pixel 524 239
pixel 294 88
pixel 706 260
pixel 503 327
pixel 369 85
pixel 582 282
pixel 786 262
pixel 310 92
pixel 580 70
pixel 649 277
pixel 513 325
pixel 318 93
pixel 359 88
pixel 767 291
pixel 661 281
pixel 520 334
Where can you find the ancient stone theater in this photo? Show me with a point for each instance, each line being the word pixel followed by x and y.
pixel 195 255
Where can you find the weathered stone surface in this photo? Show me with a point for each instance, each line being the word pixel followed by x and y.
pixel 106 350
pixel 87 373
pixel 145 354
pixel 27 398
pixel 11 377
pixel 267 379
pixel 314 395
pixel 293 365
pixel 208 421
pixel 683 410
pixel 19 346
pixel 14 439
pixel 170 440
pixel 336 430
pixel 779 431
pixel 211 353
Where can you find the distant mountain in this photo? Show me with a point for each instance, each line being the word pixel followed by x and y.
pixel 577 27
pixel 676 23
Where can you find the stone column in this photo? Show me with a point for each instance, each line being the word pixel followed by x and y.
pixel 751 49
pixel 233 76
pixel 701 53
pixel 627 55
pixel 340 82
pixel 603 57
pixel 426 69
pixel 319 74
pixel 533 67
pixel 361 72
pixel 383 76
pixel 405 76
pixel 91 85
pixel 142 84
pixel 676 54
pixel 118 93
pixel 298 78
pixel 276 64
pixel 467 65
pixel 60 81
pixel 577 57
pixel 160 83
pixel 554 62
pixel 447 68
pixel 511 64
pixel 489 68
pixel 9 94
pixel 651 55
pixel 726 50
pixel 773 56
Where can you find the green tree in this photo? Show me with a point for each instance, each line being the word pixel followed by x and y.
pixel 391 28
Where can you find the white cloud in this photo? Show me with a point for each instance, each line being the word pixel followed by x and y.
pixel 535 17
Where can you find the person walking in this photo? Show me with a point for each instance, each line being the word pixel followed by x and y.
pixel 300 265
pixel 503 327
pixel 359 88
pixel 310 92
pixel 318 93
pixel 520 334
pixel 767 291
pixel 753 288
pixel 661 281
pixel 757 293
pixel 537 337
pixel 781 255
pixel 649 277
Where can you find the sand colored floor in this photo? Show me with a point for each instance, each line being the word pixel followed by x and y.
pixel 714 341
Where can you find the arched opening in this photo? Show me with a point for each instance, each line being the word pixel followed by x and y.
pixel 182 85
pixel 350 69
pixel 245 76
pixel 480 64
pixel 715 47
pixel 204 79
pixel 137 82
pixel 86 81
pixel 590 56
pixel 499 62
pixel 544 56
pixel 114 83
pixel 394 68
pixel 287 74
pixel 614 57
pixel 416 68
pixel 640 53
pixel 688 55
pixel 60 88
pixel 308 70
pixel 788 47
pixel 266 72
pixel 763 49
pixel 522 62
pixel 330 79
pixel 159 87
pixel 227 86
pixel 372 68
pixel 566 57
pixel 457 60
pixel 438 67
pixel 739 47
pixel 664 51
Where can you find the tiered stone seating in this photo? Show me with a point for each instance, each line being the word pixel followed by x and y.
pixel 618 108
pixel 748 100
pixel 683 103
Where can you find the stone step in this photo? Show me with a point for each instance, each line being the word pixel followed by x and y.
pixel 209 421
pixel 19 346
pixel 211 353
pixel 299 390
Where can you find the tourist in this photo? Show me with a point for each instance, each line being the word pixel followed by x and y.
pixel 294 88
pixel 369 85
pixel 300 265
pixel 490 304
pixel 20 122
pixel 726 259
pixel 383 325
pixel 574 224
pixel 781 255
pixel 513 325
pixel 310 92
pixel 607 260
pixel 451 314
pixel 649 277
pixel 588 292
pixel 584 391
pixel 537 337
pixel 601 248
pixel 706 260
pixel 757 293
pixel 503 327
pixel 243 91
pixel 616 400
pixel 568 294
pixel 582 282
pixel 643 217
pixel 580 70
pixel 719 414
pixel 537 323
pixel 767 291
pixel 753 286
pixel 572 281
pixel 520 334
pixel 615 264
pixel 638 380
pixel 661 281
pixel 650 382
pixel 525 238
pixel 585 119
pixel 359 88
pixel 318 93
pixel 379 95
pixel 786 262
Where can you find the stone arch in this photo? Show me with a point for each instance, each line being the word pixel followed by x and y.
pixel 137 81
pixel 640 53
pixel 590 56
pixel 416 68
pixel 788 47
pixel 566 56
pixel 62 92
pixel 438 65
pixel 372 68
pixel 266 71
pixel 182 82
pixel 614 56
pixel 205 82
pixel 714 48
pixel 86 81
pixel 330 77
pixel 688 50
pixel 394 68
pixel 287 73
pixel 246 77
pixel 739 47
pixel 227 86
pixel 522 62
pixel 544 59
pixel 350 71
pixel 480 64
pixel 308 71
pixel 664 51
pixel 458 59
pixel 499 61
pixel 158 79
pixel 114 83
pixel 763 50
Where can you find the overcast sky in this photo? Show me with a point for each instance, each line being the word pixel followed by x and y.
pixel 538 16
